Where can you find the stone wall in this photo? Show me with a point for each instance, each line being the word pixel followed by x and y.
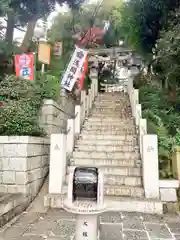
pixel 53 115
pixel 24 163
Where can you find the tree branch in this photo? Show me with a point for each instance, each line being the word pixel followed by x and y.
pixel 18 28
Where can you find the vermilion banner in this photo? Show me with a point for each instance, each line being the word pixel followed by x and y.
pixel 85 69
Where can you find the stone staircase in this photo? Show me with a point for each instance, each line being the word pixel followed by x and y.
pixel 109 141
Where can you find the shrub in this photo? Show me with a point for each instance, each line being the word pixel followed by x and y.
pixel 19 116
pixel 163 120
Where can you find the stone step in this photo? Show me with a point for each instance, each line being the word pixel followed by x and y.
pixel 107 137
pixel 105 123
pixel 123 171
pixel 112 116
pixel 110 111
pixel 115 102
pixel 105 148
pixel 109 131
pixel 117 105
pixel 104 155
pixel 109 107
pixel 105 142
pixel 113 203
pixel 112 99
pixel 114 119
pixel 109 127
pixel 119 180
pixel 123 191
pixel 98 162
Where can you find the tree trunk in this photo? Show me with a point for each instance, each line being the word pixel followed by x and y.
pixel 29 33
pixel 10 30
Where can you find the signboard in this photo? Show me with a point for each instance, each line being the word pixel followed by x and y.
pixel 58 48
pixel 72 73
pixel 44 53
pixel 25 65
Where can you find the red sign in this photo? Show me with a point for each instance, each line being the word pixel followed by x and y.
pixel 24 65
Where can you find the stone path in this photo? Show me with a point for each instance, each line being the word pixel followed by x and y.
pixel 59 225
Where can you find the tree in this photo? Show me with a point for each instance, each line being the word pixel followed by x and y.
pixel 26 13
pixel 167 63
pixel 140 21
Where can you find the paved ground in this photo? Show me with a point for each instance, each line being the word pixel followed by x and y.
pixel 59 225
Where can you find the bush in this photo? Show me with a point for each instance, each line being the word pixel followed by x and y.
pixel 163 120
pixel 19 116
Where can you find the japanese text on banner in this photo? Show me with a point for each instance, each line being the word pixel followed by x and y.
pixel 72 73
pixel 24 65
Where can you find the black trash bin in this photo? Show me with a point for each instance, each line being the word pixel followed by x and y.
pixel 85 184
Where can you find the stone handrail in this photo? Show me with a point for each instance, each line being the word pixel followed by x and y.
pixel 148 146
pixel 62 144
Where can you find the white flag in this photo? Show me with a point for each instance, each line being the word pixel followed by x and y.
pixel 73 69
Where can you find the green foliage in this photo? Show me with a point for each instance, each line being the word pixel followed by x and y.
pixel 163 120
pixel 167 63
pixel 139 22
pixel 19 116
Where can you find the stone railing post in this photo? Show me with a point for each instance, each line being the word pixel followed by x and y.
pixel 86 105
pixel 142 131
pixel 135 100
pixel 90 99
pixel 138 114
pixel 150 166
pixel 92 90
pixel 83 109
pixel 130 87
pixel 176 163
pixel 57 167
pixel 70 135
pixel 96 86
pixel 77 119
pixel 94 78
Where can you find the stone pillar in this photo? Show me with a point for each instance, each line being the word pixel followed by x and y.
pixel 176 163
pixel 57 163
pixel 83 108
pixel 90 99
pixel 92 90
pixel 138 114
pixel 77 119
pixel 135 100
pixel 142 131
pixel 150 166
pixel 130 88
pixel 86 227
pixel 70 135
pixel 87 105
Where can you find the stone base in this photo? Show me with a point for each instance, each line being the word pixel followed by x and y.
pixel 113 204
pixel 171 207
pixel 11 205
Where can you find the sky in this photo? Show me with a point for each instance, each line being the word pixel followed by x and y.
pixel 18 35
